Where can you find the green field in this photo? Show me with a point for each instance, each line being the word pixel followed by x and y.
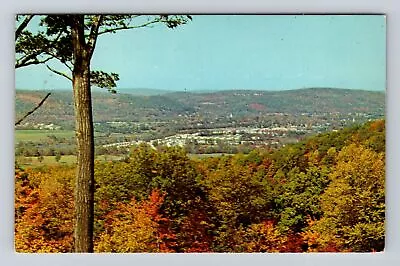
pixel 65 159
pixel 41 134
pixel 47 160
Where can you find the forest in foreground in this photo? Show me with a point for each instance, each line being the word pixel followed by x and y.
pixel 323 194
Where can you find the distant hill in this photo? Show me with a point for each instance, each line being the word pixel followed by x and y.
pixel 156 105
pixel 143 91
pixel 312 100
pixel 58 108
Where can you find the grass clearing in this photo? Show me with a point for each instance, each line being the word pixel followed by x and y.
pixel 47 160
pixel 36 135
pixel 64 160
pixel 41 134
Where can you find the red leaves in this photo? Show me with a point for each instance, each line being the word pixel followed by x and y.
pixel 194 233
pixel 152 206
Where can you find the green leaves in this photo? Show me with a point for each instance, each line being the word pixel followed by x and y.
pixel 173 21
pixel 102 79
pixel 364 236
pixel 301 195
pixel 238 193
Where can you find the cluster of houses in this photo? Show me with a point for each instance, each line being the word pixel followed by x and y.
pixel 229 136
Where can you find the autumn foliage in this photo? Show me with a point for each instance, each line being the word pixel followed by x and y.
pixel 135 227
pixel 325 194
pixel 43 211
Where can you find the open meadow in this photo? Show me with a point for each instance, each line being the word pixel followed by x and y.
pixel 41 134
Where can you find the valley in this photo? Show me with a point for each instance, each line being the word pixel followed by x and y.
pixel 230 122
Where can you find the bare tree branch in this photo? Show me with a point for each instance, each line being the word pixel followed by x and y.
pixel 60 60
pixel 129 27
pixel 30 60
pixel 68 66
pixel 23 25
pixel 59 73
pixel 33 110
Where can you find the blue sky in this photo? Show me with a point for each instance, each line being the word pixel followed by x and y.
pixel 240 52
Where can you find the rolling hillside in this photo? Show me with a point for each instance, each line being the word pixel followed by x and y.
pixel 313 100
pixel 58 109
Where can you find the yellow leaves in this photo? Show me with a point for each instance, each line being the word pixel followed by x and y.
pixel 263 237
pixel 134 236
pixel 320 236
pixel 357 180
pixel 30 239
pixel 311 239
pixel 132 227
pixel 354 202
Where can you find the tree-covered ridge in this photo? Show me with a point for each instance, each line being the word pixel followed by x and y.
pixel 239 103
pixel 106 107
pixel 322 194
pixel 309 100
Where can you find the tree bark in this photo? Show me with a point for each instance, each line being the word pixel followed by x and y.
pixel 84 184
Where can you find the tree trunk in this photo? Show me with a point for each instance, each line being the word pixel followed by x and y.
pixel 84 184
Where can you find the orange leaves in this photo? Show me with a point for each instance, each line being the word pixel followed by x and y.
pixel 134 227
pixel 266 237
pixel 377 126
pixel 263 237
pixel 43 213
pixel 152 206
pixel 314 243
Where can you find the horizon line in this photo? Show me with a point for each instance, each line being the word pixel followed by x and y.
pixel 120 90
